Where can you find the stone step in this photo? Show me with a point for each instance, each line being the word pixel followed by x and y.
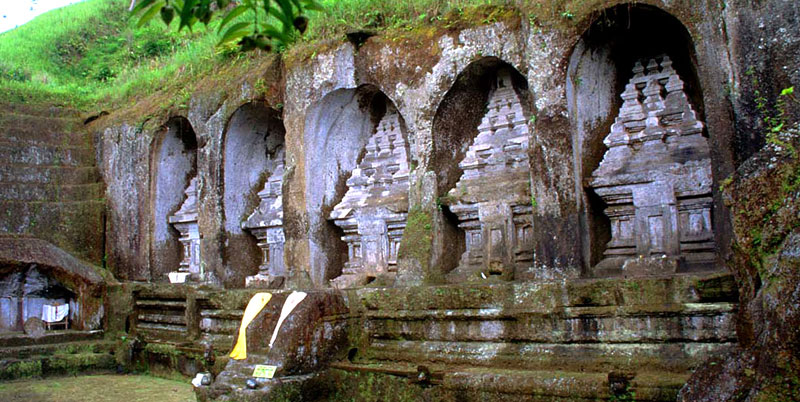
pixel 74 347
pixel 461 383
pixel 307 387
pixel 222 343
pixel 649 295
pixel 57 364
pixel 38 111
pixel 75 226
pixel 162 333
pixel 55 138
pixel 50 192
pixel 45 155
pixel 667 357
pixel 36 216
pixel 161 304
pixel 688 322
pixel 43 130
pixel 17 339
pixel 16 173
pixel 219 327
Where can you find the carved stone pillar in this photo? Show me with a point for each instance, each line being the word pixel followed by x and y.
pixel 185 221
pixel 656 179
pixel 492 199
pixel 374 210
pixel 266 224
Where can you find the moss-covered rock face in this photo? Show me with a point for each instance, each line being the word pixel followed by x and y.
pixel 764 196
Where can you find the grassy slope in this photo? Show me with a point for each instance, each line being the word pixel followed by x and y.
pixel 91 53
pixel 92 56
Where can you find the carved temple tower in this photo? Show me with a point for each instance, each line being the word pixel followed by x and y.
pixel 185 221
pixel 373 212
pixel 656 179
pixel 492 199
pixel 266 224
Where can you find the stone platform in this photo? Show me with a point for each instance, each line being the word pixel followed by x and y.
pixel 55 353
pixel 579 340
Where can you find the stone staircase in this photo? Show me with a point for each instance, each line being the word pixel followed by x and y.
pixel 50 187
pixel 581 340
pixel 55 353
pixel 186 315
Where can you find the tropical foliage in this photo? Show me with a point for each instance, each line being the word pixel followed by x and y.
pixel 252 24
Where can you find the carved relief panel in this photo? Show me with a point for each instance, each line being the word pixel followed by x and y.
pixel 185 221
pixel 656 178
pixel 266 224
pixel 373 212
pixel 492 199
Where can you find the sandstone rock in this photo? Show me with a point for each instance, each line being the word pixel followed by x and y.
pixel 34 327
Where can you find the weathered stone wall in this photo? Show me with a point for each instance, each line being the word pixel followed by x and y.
pixel 571 62
pixel 50 185
pixel 730 54
pixel 559 58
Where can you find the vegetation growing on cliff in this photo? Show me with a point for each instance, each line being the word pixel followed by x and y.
pixel 92 55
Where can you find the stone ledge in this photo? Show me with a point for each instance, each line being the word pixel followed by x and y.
pixel 55 175
pixel 16 251
pixel 54 192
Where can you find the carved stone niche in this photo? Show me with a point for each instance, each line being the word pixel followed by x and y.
pixel 656 179
pixel 373 212
pixel 266 224
pixel 185 221
pixel 492 199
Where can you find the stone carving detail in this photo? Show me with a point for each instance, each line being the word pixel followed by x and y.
pixel 266 224
pixel 373 212
pixel 492 199
pixel 656 178
pixel 185 221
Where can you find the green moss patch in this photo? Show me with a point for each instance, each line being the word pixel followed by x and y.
pixel 97 388
pixel 417 238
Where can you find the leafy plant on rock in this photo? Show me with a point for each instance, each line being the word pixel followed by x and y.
pixel 251 24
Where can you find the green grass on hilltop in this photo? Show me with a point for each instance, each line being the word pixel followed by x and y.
pixel 92 52
pixel 91 55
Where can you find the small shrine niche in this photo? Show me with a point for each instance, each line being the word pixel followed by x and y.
pixel 25 293
pixel 337 131
pixel 374 210
pixel 655 179
pixel 492 199
pixel 252 150
pixel 174 188
pixel 266 224
pixel 185 222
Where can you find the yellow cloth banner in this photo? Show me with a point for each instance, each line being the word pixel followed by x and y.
pixel 254 306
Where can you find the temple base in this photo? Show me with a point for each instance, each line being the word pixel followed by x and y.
pixel 264 281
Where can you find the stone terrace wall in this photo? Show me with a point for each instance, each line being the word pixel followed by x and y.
pixel 50 187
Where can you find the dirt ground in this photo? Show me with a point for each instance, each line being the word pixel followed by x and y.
pixel 97 388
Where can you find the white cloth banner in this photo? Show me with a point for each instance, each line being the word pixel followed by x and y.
pixel 291 302
pixel 52 313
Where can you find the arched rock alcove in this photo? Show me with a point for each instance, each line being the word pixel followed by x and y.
pixel 480 140
pixel 174 164
pixel 600 67
pixel 253 149
pixel 337 130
